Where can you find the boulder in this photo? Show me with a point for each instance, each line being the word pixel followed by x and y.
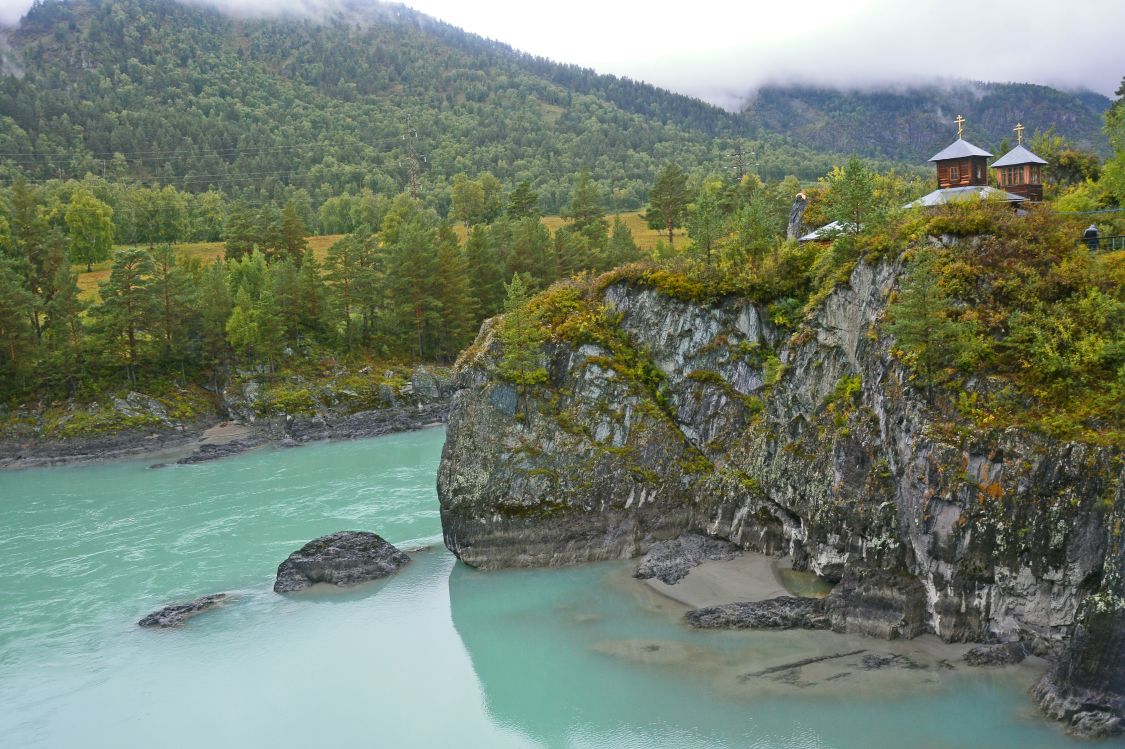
pixel 343 558
pixel 670 561
pixel 176 614
pixel 783 612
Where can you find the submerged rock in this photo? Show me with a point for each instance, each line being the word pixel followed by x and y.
pixel 343 558
pixel 670 561
pixel 176 614
pixel 783 612
pixel 214 451
pixel 1004 654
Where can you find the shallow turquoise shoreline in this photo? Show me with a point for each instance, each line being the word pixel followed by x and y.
pixel 440 655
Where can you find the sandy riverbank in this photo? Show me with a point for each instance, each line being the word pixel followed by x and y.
pixel 757 663
pixel 747 577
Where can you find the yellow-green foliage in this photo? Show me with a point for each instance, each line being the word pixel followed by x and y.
pixel 281 398
pixel 1028 312
pixel 574 311
pixel 780 274
pixel 847 388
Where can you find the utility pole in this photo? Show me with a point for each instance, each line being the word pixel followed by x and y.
pixel 739 163
pixel 414 182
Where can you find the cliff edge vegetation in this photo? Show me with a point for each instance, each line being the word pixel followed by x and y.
pixel 926 412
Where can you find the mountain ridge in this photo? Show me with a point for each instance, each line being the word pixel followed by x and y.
pixel 912 122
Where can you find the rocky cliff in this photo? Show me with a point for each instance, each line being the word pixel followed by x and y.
pixel 708 418
pixel 268 407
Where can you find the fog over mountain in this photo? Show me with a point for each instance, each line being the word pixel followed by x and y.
pixel 722 53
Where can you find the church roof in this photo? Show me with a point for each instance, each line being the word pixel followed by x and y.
pixel 959 149
pixel 1018 155
pixel 957 194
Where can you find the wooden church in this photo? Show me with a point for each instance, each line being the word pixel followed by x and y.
pixel 962 174
pixel 1019 171
pixel 961 164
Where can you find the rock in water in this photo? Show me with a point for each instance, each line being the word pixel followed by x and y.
pixel 783 612
pixel 178 613
pixel 343 558
pixel 670 561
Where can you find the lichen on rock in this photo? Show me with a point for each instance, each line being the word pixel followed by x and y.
pixel 815 444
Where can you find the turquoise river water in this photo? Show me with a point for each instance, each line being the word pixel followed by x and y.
pixel 438 656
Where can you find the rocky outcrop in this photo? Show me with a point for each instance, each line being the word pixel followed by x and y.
pixel 783 612
pixel 795 227
pixel 1003 654
pixel 670 561
pixel 138 424
pixel 876 603
pixel 814 444
pixel 176 614
pixel 343 558
pixel 1086 687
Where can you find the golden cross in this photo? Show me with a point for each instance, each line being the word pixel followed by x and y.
pixel 960 125
pixel 1019 133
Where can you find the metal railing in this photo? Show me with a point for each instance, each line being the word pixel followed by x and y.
pixel 1105 244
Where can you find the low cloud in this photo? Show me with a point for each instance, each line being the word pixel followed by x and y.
pixel 722 51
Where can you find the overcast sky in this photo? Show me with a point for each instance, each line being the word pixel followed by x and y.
pixel 720 50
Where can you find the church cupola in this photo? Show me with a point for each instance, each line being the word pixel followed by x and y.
pixel 961 164
pixel 1019 171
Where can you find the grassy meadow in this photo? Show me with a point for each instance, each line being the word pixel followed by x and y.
pixel 645 238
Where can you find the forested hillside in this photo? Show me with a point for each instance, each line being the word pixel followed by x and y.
pixel 912 124
pixel 173 94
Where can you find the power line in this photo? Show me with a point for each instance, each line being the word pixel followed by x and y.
pixel 160 153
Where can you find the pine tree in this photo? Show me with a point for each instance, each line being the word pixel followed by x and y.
pixel 586 213
pixel 17 337
pixel 456 296
pixel 269 341
pixel 850 198
pixel 485 270
pixel 267 233
pixel 239 232
pixel 126 311
pixel 27 245
pixel 411 279
pixel 64 332
pixel 522 336
pixel 523 202
pixel 705 217
pixel 572 253
pixel 621 249
pixel 343 267
pixel 920 323
pixel 531 252
pixel 313 295
pixel 293 243
pixel 668 201
pixel 215 306
pixel 284 289
pixel 174 295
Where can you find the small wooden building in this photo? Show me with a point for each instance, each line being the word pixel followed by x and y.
pixel 1019 171
pixel 961 164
